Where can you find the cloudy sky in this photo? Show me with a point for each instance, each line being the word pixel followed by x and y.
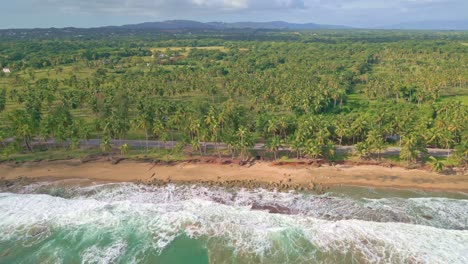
pixel 359 13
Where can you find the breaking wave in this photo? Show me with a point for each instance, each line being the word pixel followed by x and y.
pixel 128 223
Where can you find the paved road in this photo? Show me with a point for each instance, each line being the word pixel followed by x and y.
pixel 210 145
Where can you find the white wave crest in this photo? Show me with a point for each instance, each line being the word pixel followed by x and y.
pixel 161 215
pixel 98 255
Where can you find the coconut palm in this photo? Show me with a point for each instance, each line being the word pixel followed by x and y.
pixel 313 149
pixel 413 147
pixel 436 164
pixel 21 126
pixel 124 149
pixel 273 144
pixel 105 144
pixel 362 149
pixel 375 142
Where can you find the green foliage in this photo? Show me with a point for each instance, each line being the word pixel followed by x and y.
pixel 461 153
pixel 273 144
pixel 124 149
pixel 362 150
pixel 436 165
pixel 413 148
pixel 21 124
pixel 374 142
pixel 3 99
pixel 106 145
pixel 307 91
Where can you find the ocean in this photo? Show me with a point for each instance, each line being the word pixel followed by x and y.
pixel 84 222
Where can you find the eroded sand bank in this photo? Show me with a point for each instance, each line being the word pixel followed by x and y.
pixel 284 177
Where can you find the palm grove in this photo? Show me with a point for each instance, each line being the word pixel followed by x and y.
pixel 304 91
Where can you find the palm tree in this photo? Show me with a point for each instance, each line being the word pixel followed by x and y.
pixel 273 145
pixel 340 131
pixel 74 143
pixel 245 140
pixel 461 153
pixel 105 144
pixel 84 131
pixel 328 150
pixel 21 126
pixel 297 145
pixel 436 164
pixel 212 122
pixel 158 129
pixel 195 144
pixel 447 138
pixel 362 149
pixel 272 126
pixel 142 122
pixel 313 149
pixel 283 126
pixel 432 136
pixel 145 117
pixel 375 142
pixel 413 147
pixel 124 149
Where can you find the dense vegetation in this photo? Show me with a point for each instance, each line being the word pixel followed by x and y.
pixel 308 91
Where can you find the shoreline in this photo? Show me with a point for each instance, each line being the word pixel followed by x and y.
pixel 267 175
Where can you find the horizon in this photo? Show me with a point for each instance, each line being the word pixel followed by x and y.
pixel 331 138
pixel 354 13
pixel 420 25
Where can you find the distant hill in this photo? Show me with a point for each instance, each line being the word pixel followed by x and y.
pixel 187 24
pixel 170 24
pixel 275 25
pixel 431 25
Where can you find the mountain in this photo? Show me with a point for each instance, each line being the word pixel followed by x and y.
pixel 187 24
pixel 274 25
pixel 431 25
pixel 170 24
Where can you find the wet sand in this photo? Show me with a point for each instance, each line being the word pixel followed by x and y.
pixel 260 174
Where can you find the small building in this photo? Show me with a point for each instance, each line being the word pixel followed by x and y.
pixel 6 70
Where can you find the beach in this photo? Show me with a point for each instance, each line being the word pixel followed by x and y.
pixel 127 211
pixel 257 174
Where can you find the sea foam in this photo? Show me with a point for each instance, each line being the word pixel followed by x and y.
pixel 391 230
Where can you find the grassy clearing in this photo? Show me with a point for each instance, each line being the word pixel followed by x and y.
pixel 160 154
pixel 67 154
pixel 356 100
pixel 462 98
pixel 49 155
pixel 173 155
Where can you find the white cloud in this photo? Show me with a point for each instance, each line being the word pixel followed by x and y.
pixel 373 4
pixel 345 12
pixel 236 4
pixel 175 6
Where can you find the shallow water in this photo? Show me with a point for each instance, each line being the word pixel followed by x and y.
pixel 71 222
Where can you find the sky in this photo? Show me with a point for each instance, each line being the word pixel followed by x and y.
pixel 356 13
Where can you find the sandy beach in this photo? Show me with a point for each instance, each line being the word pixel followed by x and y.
pixel 258 174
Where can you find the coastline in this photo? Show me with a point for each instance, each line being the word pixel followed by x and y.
pixel 258 174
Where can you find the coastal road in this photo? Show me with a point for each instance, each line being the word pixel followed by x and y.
pixel 210 145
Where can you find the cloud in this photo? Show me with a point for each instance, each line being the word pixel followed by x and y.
pixel 364 13
pixel 375 4
pixel 163 7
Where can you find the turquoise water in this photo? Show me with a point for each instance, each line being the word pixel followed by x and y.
pixel 72 222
